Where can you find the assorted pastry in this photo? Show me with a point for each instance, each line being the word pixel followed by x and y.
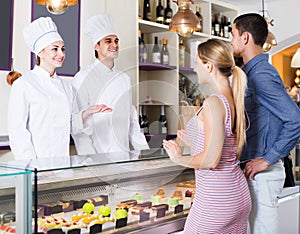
pixel 91 214
pixel 187 184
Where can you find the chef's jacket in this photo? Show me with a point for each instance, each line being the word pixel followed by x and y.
pixel 39 115
pixel 106 132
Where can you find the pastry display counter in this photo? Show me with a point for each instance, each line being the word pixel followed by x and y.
pixel 15 200
pixel 142 191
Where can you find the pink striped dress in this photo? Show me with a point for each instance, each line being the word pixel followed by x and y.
pixel 222 200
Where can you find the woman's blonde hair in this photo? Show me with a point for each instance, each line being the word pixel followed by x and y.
pixel 219 53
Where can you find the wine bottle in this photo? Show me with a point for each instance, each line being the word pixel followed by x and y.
pixel 216 25
pixel 181 53
pixel 162 122
pixel 198 14
pixel 221 20
pixel 168 13
pixel 143 121
pixel 147 10
pixel 142 48
pixel 225 26
pixel 164 52
pixel 159 13
pixel 156 52
pixel 229 27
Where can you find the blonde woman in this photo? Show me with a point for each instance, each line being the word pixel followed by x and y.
pixel 216 135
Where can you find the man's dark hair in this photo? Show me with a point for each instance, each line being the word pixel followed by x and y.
pixel 254 24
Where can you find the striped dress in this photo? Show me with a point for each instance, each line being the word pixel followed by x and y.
pixel 222 200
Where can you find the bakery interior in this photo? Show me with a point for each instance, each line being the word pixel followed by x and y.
pixel 54 195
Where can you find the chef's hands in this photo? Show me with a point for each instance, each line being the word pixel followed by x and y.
pixel 173 150
pixel 95 109
pixel 254 166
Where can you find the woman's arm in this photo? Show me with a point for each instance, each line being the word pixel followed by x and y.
pixel 213 115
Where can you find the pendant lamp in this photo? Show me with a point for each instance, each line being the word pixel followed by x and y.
pixel 271 40
pixel 57 7
pixel 296 64
pixel 184 22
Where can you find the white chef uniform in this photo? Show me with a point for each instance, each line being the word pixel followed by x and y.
pixel 107 132
pixel 40 106
pixel 98 84
pixel 39 115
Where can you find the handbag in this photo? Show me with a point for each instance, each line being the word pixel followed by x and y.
pixel 289 176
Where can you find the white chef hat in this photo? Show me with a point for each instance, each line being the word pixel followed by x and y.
pixel 99 26
pixel 40 33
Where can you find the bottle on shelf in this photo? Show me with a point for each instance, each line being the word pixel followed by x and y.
pixel 168 14
pixel 142 48
pixel 156 57
pixel 159 13
pixel 222 24
pixel 216 25
pixel 143 120
pixel 225 27
pixel 164 52
pixel 198 14
pixel 163 129
pixel 147 10
pixel 181 53
pixel 229 27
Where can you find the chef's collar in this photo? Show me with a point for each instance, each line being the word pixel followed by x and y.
pixel 41 72
pixel 104 67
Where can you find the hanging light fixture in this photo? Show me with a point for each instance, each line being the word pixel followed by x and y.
pixel 271 40
pixel 57 7
pixel 184 22
pixel 296 64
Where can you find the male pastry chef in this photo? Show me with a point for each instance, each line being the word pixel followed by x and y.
pixel 116 127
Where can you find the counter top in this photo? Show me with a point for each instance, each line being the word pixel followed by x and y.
pixel 289 191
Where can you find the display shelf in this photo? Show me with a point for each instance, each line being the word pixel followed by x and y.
pixel 156 103
pixel 155 67
pixel 160 81
pixel 186 70
pixel 113 177
pixel 152 27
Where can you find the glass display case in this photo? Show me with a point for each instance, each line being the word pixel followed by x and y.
pixel 126 192
pixel 15 200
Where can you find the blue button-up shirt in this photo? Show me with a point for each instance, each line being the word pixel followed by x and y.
pixel 274 117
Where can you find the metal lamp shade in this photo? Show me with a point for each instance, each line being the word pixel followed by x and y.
pixel 184 22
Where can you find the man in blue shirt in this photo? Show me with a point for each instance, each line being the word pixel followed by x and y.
pixel 274 123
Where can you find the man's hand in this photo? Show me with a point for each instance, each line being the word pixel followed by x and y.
pixel 94 109
pixel 254 166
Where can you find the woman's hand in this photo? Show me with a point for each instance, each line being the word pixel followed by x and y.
pixel 94 109
pixel 173 150
pixel 183 136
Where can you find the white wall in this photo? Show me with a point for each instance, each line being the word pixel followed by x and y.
pixel 285 15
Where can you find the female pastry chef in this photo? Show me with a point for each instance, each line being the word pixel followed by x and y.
pixel 40 102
